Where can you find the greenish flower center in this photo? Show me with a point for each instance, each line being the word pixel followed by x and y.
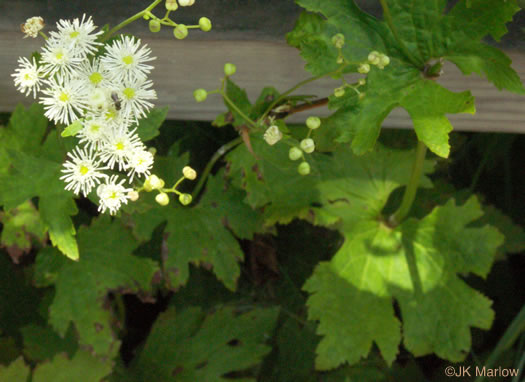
pixel 95 78
pixel 119 146
pixel 84 170
pixel 95 128
pixel 63 97
pixel 128 60
pixel 74 34
pixel 129 93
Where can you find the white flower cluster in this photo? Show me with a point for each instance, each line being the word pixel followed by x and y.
pixel 104 88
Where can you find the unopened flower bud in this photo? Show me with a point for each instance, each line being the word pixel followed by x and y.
pixel 163 199
pixel 339 92
pixel 205 24
pixel 313 122
pixel 186 3
pixel 152 150
pixel 308 145
pixel 272 135
pixel 338 40
pixel 362 95
pixel 200 95
pixel 153 182
pixel 295 153
pixel 384 60
pixel 340 59
pixel 154 25
pixel 32 26
pixel 303 168
pixel 171 5
pixel 133 196
pixel 361 82
pixel 363 68
pixel 180 32
pixel 374 58
pixel 229 69
pixel 189 173
pixel 185 199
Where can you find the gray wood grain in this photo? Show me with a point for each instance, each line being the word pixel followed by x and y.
pixel 262 59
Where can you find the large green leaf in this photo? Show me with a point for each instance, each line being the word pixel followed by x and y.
pixel 427 33
pixel 82 288
pixel 418 263
pixel 34 171
pixel 202 234
pixel 190 346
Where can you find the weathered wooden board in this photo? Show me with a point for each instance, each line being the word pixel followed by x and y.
pixel 262 60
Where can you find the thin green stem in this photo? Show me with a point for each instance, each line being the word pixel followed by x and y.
pixel 239 111
pixel 209 166
pixel 300 84
pixel 130 20
pixel 412 186
pixel 516 327
pixel 43 35
pixel 402 46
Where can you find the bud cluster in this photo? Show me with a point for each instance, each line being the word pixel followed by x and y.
pixel 180 31
pixel 307 145
pixel 153 182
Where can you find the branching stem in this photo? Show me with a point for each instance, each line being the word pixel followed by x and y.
pixel 130 20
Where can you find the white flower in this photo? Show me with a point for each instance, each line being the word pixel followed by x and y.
pixel 97 99
pixel 112 195
pixel 119 146
pixel 77 35
pixel 93 73
pixel 125 59
pixel 135 98
pixel 59 59
pixel 93 132
pixel 272 135
pixel 65 101
pixel 27 77
pixel 140 163
pixel 32 26
pixel 83 171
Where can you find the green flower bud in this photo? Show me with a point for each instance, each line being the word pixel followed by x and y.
pixel 384 60
pixel 313 122
pixel 308 145
pixel 133 196
pixel 163 199
pixel 205 24
pixel 229 69
pixel 186 3
pixel 363 68
pixel 295 153
pixel 171 5
pixel 374 57
pixel 189 173
pixel 180 32
pixel 200 95
pixel 146 17
pixel 154 26
pixel 153 182
pixel 339 92
pixel 361 82
pixel 272 135
pixel 185 199
pixel 303 168
pixel 338 40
